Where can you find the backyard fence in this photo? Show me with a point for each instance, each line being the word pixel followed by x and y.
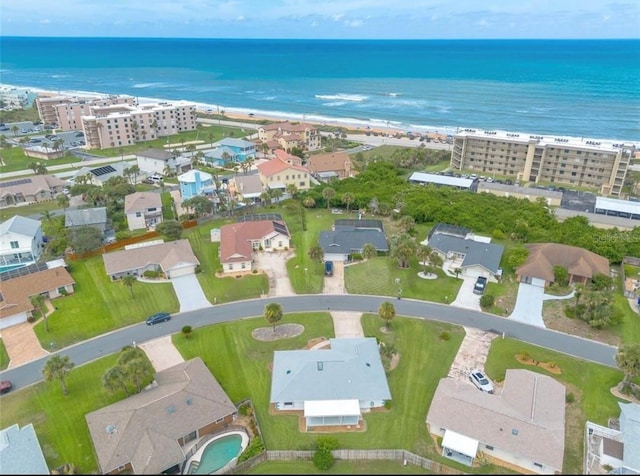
pixel 395 455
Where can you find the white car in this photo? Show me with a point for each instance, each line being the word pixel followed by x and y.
pixel 481 381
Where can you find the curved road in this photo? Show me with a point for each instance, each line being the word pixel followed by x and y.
pixel 97 347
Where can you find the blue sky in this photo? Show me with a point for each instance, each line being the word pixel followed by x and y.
pixel 349 19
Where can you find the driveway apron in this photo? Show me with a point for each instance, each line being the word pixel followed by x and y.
pixel 466 297
pixel 528 306
pixel 189 293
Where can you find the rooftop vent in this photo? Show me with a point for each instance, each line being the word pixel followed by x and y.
pixel 320 366
pixel 188 401
pixel 368 364
pixel 171 409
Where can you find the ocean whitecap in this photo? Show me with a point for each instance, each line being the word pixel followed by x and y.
pixel 342 97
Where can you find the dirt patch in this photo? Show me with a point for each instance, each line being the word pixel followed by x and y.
pixel 283 331
pixel 548 366
pixel 554 318
pixel 394 361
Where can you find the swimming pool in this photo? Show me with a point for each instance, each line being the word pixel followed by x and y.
pixel 217 453
pixel 9 267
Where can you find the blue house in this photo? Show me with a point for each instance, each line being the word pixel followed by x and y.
pixel 240 149
pixel 219 156
pixel 196 182
pixel 20 451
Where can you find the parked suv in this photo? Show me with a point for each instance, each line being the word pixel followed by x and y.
pixel 328 268
pixel 481 381
pixel 481 284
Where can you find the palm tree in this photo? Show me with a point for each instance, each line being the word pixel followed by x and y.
pixel 138 371
pixel 369 251
pixel 57 367
pixel 309 202
pixel 187 331
pixel 407 222
pixel 115 379
pixel 273 313
pixel 347 198
pixel 191 148
pixel 387 311
pixel 15 130
pixel 402 248
pixel 422 253
pixel 316 253
pixel 154 126
pixel 46 215
pixel 328 193
pixel 121 152
pixel 58 144
pixel 292 190
pixel 63 201
pixel 128 281
pixel 628 359
pixel 211 136
pixel 37 301
pixel 135 170
pixel 276 194
pixel 134 130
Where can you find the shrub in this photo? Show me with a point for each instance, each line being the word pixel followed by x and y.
pixel 444 335
pixel 151 274
pixel 255 271
pixel 255 448
pixel 487 300
pixel 31 319
pixel 387 404
pixel 498 234
pixel 439 440
pixel 323 459
pixel 570 398
pixel 329 443
pixel 570 312
pixel 356 257
pixel 187 331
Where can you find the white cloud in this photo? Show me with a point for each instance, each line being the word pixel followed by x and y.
pixel 353 23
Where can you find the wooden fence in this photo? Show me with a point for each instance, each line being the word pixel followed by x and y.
pixel 395 455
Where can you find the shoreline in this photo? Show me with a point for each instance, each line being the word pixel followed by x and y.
pixel 254 115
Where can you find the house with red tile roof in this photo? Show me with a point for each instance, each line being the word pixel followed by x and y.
pixel 289 135
pixel 287 157
pixel 238 241
pixel 277 173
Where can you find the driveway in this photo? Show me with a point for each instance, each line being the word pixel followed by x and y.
pixel 335 284
pixel 466 298
pixel 274 264
pixel 162 353
pixel 189 292
pixel 528 308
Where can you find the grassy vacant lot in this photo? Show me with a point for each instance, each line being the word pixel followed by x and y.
pixel 58 420
pixel 99 305
pixel 4 357
pixel 588 382
pixel 241 364
pixel 377 276
pixel 15 159
pixel 219 290
pixel 340 467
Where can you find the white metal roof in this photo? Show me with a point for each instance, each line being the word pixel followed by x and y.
pixel 460 443
pixel 440 179
pixel 319 408
pixel 616 205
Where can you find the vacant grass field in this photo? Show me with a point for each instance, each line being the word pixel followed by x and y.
pixel 14 159
pixel 340 467
pixel 58 420
pixel 589 383
pixel 99 305
pixel 217 289
pixel 4 357
pixel 378 277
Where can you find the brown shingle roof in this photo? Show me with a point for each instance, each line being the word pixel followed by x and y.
pixel 578 261
pixel 335 161
pixel 144 428
pixel 527 419
pixel 167 255
pixel 235 239
pixel 32 185
pixel 17 291
pixel 141 201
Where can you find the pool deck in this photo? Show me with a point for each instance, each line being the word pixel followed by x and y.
pixel 198 454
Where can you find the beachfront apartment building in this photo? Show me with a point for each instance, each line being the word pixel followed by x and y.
pixel 65 112
pixel 122 124
pixel 544 159
pixel 289 135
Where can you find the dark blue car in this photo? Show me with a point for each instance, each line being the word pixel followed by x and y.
pixel 160 317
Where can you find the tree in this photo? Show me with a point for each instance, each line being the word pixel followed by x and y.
pixel 37 301
pixel 292 190
pixel 347 198
pixel 170 229
pixel 187 331
pixel 402 248
pixel 628 359
pixel 15 130
pixel 129 281
pixel 273 313
pixel 487 300
pixel 516 256
pixel 387 312
pixel 135 170
pixel 328 193
pixel 276 194
pixel 560 275
pixel 374 205
pixel 62 200
pixel 309 202
pixel 601 282
pixel 191 148
pixel 369 251
pixel 316 253
pixel 85 239
pixel 115 379
pixel 139 371
pixel 422 253
pixel 57 368
pixel 406 224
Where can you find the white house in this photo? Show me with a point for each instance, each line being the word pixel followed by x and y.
pixel 158 161
pixel 330 387
pixel 143 210
pixel 21 241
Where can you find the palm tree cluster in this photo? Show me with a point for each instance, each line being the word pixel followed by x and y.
pixel 133 370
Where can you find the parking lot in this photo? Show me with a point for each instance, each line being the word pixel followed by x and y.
pixel 578 201
pixel 39 136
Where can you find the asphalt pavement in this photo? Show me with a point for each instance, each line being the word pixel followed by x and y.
pixel 97 347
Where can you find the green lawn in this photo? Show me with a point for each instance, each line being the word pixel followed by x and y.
pixel 4 357
pixel 99 305
pixel 35 209
pixel 340 467
pixel 216 289
pixel 378 277
pixel 15 159
pixel 58 420
pixel 589 382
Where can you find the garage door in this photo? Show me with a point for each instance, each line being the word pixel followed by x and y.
pixel 335 257
pixel 13 320
pixel 472 272
pixel 174 273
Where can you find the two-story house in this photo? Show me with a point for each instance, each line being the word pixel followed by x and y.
pixel 276 173
pixel 21 242
pixel 330 165
pixel 194 183
pixel 143 210
pixel 93 217
pixel 161 162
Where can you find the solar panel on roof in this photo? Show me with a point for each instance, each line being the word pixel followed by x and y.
pixel 25 270
pixel 15 182
pixel 280 228
pixel 107 169
pixel 260 217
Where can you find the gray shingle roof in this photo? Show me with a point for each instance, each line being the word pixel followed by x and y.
pixel 20 451
pixel 20 226
pixel 351 369
pixel 349 241
pixel 157 154
pixel 487 255
pixel 630 426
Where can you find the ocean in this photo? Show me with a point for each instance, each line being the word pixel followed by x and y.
pixel 580 88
